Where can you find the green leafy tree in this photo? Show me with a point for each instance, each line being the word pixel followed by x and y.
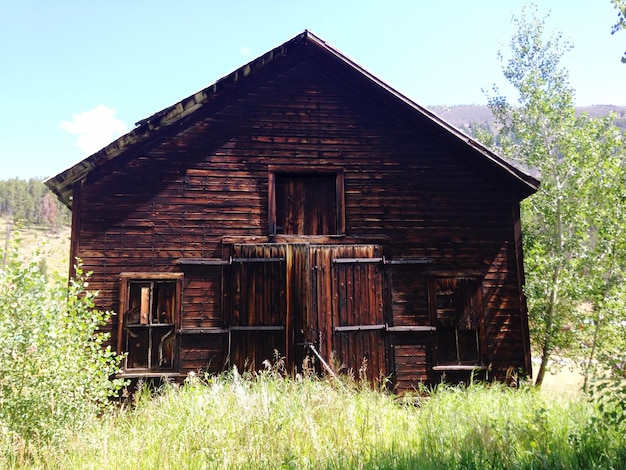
pixel 55 367
pixel 599 329
pixel 620 5
pixel 579 160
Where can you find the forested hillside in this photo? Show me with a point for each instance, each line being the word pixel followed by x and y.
pixel 30 202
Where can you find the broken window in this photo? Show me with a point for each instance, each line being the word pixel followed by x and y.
pixel 306 203
pixel 457 314
pixel 150 306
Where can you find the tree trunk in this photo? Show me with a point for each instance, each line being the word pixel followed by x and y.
pixel 592 352
pixel 545 355
pixel 549 333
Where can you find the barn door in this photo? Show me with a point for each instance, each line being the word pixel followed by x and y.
pixel 349 302
pixel 285 297
pixel 258 313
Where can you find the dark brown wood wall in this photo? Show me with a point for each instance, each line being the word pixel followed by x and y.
pixel 406 189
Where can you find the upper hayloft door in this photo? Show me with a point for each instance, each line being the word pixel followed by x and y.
pixel 306 203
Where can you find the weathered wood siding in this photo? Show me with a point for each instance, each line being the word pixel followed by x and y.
pixel 408 191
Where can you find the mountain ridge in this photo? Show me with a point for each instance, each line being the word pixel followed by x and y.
pixel 464 116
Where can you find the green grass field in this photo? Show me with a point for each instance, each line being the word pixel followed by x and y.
pixel 271 422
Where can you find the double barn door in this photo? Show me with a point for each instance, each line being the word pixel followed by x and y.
pixel 285 298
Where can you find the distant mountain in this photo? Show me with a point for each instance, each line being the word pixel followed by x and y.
pixel 463 116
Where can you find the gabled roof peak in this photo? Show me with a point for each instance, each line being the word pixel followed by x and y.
pixel 173 119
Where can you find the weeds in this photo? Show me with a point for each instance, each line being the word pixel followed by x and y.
pixel 266 420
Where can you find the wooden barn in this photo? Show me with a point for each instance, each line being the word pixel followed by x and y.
pixel 302 206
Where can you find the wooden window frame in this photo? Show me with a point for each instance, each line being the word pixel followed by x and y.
pixel 150 278
pixel 460 363
pixel 313 171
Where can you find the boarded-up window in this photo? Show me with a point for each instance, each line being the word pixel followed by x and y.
pixel 306 203
pixel 457 313
pixel 150 309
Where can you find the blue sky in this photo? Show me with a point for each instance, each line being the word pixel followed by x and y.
pixel 77 74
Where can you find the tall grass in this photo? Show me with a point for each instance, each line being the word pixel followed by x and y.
pixel 273 422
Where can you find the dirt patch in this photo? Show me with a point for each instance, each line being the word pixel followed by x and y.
pixel 566 381
pixel 54 247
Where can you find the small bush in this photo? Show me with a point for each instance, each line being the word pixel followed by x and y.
pixel 54 367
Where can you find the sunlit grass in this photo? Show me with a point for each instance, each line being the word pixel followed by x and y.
pixel 273 422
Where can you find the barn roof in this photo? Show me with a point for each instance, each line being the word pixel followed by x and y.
pixel 170 121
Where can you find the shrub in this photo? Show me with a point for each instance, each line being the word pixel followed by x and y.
pixel 54 367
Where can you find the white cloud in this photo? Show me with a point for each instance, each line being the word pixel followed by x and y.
pixel 95 128
pixel 245 51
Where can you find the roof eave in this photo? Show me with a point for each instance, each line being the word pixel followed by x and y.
pixel 62 183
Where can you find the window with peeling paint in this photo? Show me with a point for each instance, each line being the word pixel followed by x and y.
pixel 148 323
pixel 457 315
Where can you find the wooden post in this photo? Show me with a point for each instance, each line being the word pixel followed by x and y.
pixel 144 309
